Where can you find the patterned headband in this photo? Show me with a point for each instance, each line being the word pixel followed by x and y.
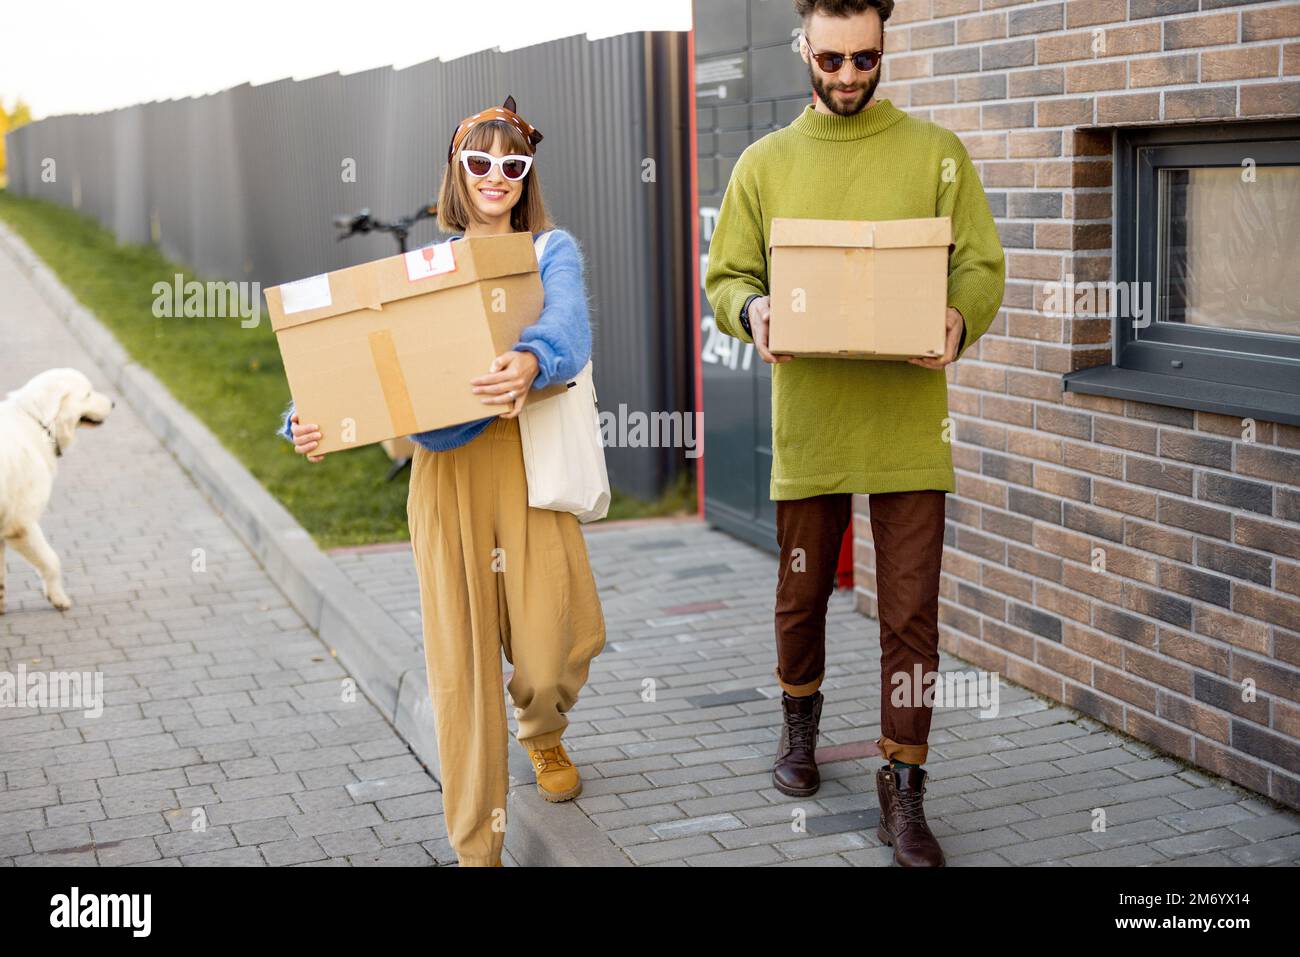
pixel 504 112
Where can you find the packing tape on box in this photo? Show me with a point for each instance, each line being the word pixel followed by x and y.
pixel 400 410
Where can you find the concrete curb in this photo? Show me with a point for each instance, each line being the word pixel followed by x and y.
pixel 372 647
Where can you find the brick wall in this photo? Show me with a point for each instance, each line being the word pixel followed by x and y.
pixel 1199 528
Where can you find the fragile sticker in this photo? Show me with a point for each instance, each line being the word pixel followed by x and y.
pixel 430 261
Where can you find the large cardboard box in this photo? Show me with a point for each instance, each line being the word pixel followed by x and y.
pixel 387 348
pixel 859 289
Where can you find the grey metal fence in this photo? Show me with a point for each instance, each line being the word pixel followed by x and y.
pixel 244 184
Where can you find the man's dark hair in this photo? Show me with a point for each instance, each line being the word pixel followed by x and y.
pixel 843 8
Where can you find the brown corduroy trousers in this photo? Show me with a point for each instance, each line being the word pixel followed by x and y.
pixel 908 531
pixel 495 575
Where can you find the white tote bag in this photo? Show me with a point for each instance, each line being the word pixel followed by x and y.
pixel 564 458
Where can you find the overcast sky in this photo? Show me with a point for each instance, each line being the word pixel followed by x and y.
pixel 77 56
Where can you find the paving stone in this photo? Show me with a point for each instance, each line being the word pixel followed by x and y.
pixel 122 828
pixel 968 842
pixel 726 697
pixel 680 849
pixel 979 859
pixel 16 845
pixel 362 840
pixel 403 784
pixel 739 857
pixel 737 801
pixel 416 829
pixel 882 856
pixel 78 812
pixel 816 845
pixel 1131 855
pixel 295 851
pixel 233 857
pixel 407 855
pixel 180 843
pixel 1049 849
pixel 990 817
pixel 134 851
pixel 264 831
pixel 1218 816
pixel 1265 828
pixel 59 838
pixel 1277 851
pixel 1123 835
pixel 1199 842
pixel 1215 859
pixel 864 819
pixel 695 825
pixel 335 820
pixel 1207 797
pixel 80 858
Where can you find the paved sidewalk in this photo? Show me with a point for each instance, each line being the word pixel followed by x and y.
pixel 216 695
pixel 685 777
pixel 219 697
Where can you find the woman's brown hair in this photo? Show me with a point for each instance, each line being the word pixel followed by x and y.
pixel 456 208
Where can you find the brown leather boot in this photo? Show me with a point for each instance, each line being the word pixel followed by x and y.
pixel 795 771
pixel 902 818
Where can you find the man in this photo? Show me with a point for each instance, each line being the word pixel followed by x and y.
pixel 842 426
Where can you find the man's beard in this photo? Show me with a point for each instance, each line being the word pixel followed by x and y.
pixel 825 92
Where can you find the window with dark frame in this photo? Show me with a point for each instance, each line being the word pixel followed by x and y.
pixel 1206 261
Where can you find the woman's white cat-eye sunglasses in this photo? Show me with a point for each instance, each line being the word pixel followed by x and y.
pixel 478 164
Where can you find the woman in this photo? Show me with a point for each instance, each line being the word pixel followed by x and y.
pixel 495 574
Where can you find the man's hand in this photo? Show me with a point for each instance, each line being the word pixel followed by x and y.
pixel 305 438
pixel 760 310
pixel 507 382
pixel 955 324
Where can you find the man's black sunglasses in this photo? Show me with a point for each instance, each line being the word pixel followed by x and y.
pixel 864 61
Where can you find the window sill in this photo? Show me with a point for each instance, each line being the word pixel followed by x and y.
pixel 1184 393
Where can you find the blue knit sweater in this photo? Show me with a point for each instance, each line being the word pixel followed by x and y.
pixel 560 338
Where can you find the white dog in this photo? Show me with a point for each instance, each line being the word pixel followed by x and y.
pixel 37 424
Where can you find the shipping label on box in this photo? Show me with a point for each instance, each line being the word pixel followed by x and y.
pixel 859 289
pixel 386 349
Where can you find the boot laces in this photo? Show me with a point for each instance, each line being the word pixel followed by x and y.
pixel 546 758
pixel 910 807
pixel 803 731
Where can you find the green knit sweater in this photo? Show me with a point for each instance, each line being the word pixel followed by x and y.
pixel 856 425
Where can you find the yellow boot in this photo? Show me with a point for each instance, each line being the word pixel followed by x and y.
pixel 557 778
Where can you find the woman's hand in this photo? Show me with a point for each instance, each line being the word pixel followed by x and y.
pixel 507 382
pixel 305 438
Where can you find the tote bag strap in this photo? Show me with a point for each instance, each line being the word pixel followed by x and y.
pixel 539 244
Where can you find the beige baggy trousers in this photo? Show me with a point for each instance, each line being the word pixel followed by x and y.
pixel 495 574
